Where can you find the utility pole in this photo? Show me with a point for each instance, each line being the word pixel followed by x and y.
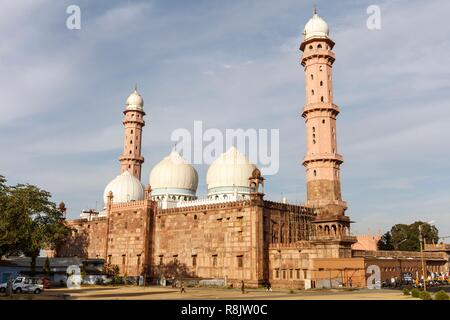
pixel 423 262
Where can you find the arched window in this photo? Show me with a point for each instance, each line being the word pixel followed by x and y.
pixel 310 47
pixel 319 46
pixel 131 131
pixel 321 83
pixel 314 141
pixel 312 92
pixel 333 227
pixel 315 173
pixel 323 121
pixel 321 99
pixel 312 77
pixel 314 129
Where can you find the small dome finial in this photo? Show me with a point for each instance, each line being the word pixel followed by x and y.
pixel 135 87
pixel 314 8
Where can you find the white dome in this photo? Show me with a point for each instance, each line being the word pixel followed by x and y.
pixel 229 173
pixel 125 188
pixel 173 176
pixel 316 27
pixel 135 101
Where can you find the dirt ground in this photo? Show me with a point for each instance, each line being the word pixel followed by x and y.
pixel 162 293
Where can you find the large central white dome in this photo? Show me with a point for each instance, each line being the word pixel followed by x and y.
pixel 174 176
pixel 125 188
pixel 229 174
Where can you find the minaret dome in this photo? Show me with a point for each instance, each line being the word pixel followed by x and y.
pixel 316 27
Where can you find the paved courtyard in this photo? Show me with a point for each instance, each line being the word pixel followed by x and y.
pixel 158 293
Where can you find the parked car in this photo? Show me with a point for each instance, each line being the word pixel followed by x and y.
pixel 25 284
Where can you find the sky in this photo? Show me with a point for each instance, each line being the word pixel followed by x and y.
pixel 230 64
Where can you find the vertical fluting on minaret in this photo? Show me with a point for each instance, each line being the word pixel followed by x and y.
pixel 322 160
pixel 131 160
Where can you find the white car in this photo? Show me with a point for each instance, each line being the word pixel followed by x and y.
pixel 25 284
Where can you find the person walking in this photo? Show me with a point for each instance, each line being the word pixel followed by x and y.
pixel 268 287
pixel 242 287
pixel 182 290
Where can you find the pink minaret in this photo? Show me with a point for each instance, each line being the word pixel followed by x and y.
pixel 322 160
pixel 131 159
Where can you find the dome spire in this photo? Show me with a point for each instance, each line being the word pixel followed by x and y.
pixel 314 9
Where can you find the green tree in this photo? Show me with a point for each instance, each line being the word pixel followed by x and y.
pixel 47 270
pixel 385 243
pixel 10 226
pixel 406 237
pixel 29 221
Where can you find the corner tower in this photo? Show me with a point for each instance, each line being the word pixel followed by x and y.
pixel 322 160
pixel 131 160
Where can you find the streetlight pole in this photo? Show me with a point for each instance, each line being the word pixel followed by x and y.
pixel 423 262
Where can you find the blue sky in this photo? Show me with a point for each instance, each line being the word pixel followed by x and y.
pixel 231 64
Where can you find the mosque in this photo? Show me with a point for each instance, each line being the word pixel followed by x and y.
pixel 165 230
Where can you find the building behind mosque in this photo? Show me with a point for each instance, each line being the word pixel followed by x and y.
pixel 165 230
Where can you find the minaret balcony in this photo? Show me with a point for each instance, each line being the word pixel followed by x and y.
pixel 318 53
pixel 320 106
pixel 131 157
pixel 335 157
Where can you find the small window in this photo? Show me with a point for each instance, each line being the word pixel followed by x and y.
pixel 131 141
pixel 214 260
pixel 315 173
pixel 320 68
pixel 161 259
pixel 321 83
pixel 130 151
pixel 319 46
pixel 314 129
pixel 277 273
pixel 310 47
pixel 312 77
pixel 240 261
pixel 194 260
pixel 131 131
pixel 291 276
pixel 323 121
pixel 123 258
pixel 298 273
pixel 314 141
pixel 312 92
pixel 321 99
